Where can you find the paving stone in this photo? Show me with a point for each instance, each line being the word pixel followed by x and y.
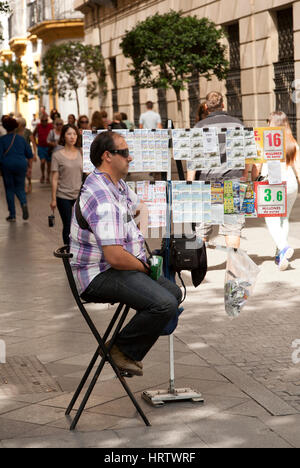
pixel 258 392
pixel 67 439
pixel 229 431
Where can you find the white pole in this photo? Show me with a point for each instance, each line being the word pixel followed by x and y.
pixel 171 338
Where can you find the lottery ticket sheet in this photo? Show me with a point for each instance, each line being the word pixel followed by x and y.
pixel 200 147
pixel 149 149
pixel 191 202
pixel 154 195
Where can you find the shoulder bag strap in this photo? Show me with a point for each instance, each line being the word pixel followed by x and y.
pixel 10 146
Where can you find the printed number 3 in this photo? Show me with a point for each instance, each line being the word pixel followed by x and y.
pixel 268 196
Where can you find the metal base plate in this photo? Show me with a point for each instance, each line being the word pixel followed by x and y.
pixel 160 397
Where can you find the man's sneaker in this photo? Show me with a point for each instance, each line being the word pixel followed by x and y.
pixel 11 219
pixel 282 260
pixel 25 212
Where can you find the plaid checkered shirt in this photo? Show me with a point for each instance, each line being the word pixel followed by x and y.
pixel 109 212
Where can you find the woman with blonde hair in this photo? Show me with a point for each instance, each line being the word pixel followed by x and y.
pixel 290 171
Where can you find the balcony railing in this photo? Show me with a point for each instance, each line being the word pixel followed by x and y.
pixel 46 10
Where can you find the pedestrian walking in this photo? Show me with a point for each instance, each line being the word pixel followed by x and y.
pixel 54 136
pixel 34 122
pixel 105 120
pixel 150 119
pixel 15 160
pixel 290 172
pixel 202 112
pixel 71 119
pixel 97 121
pixel 41 134
pixel 126 121
pixel 117 123
pixel 83 123
pixel 66 172
pixel 28 136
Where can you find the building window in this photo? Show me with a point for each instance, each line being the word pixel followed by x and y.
pixel 136 104
pixel 284 69
pixel 233 82
pixel 194 97
pixel 163 106
pixel 113 76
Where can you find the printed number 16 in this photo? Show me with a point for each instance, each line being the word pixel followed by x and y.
pixel 274 139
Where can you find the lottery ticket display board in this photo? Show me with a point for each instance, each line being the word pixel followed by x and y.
pixel 271 200
pixel 149 149
pixel 201 149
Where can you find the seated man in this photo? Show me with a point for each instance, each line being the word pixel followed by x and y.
pixel 109 263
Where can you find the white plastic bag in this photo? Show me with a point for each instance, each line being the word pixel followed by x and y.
pixel 240 279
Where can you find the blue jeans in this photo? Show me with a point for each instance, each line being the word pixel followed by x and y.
pixel 14 183
pixel 155 302
pixel 65 208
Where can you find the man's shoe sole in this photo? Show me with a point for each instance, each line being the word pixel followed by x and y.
pixel 284 264
pixel 136 372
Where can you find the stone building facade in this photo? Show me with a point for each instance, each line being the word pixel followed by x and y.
pixel 32 27
pixel 263 49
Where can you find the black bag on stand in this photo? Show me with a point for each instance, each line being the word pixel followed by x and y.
pixel 186 253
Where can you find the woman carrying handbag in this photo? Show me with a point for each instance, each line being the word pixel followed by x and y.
pixel 16 162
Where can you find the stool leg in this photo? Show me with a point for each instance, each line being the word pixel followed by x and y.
pixel 94 359
pixel 84 379
pixel 87 395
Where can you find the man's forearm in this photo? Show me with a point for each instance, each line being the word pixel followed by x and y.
pixel 120 259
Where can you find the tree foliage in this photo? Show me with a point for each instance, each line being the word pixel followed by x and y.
pixel 18 80
pixel 4 8
pixel 166 50
pixel 65 66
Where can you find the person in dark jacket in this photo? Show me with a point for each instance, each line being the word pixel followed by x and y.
pixel 16 161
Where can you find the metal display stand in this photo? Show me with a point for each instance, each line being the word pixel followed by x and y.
pixel 160 397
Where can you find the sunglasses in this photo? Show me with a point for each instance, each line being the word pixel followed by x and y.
pixel 84 121
pixel 122 152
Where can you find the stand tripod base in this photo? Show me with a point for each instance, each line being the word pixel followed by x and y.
pixel 160 397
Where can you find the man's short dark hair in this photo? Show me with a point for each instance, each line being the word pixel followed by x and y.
pixel 214 101
pixel 105 141
pixel 149 105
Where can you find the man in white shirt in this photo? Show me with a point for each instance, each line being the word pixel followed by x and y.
pixel 150 119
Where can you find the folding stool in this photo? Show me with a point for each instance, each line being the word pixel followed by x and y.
pixel 120 314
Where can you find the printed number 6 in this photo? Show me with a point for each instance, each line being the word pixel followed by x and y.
pixel 279 196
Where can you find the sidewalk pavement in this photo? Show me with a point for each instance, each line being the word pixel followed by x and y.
pixel 243 367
